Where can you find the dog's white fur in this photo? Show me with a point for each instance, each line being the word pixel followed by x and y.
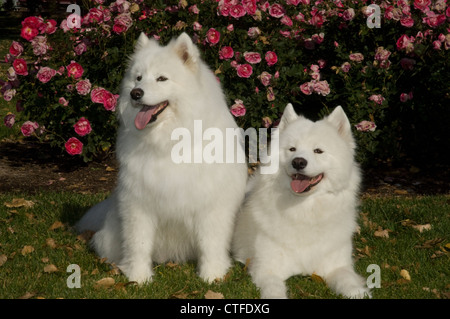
pixel 282 233
pixel 162 211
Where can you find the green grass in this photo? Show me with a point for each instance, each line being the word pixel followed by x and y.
pixel 23 274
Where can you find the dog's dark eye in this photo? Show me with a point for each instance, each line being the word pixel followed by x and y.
pixel 318 151
pixel 292 149
pixel 161 79
pixel 139 78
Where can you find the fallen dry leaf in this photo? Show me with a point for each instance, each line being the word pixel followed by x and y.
pixel 213 295
pixel 27 249
pixel 104 283
pixel 56 225
pixel 19 202
pixel 315 277
pixel 382 233
pixel 50 242
pixel 430 243
pixel 421 228
pixel 28 295
pixel 50 268
pixel 405 274
pixel 85 236
pixel 3 259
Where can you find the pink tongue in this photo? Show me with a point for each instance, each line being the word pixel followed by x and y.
pixel 144 116
pixel 299 186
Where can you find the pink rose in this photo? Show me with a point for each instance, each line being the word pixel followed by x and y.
pixel 377 98
pixel 50 26
pixel 422 5
pixel 63 101
pixel 9 120
pixel 83 87
pixel 28 33
pixel 244 70
pixel 286 21
pixel 266 122
pixel 74 146
pixel 365 126
pixel 434 20
pixel 321 87
pixel 348 14
pixel 345 67
pixel 212 36
pixel 405 42
pixel 9 94
pixel 270 95
pixel 45 74
pixel 82 127
pixel 249 6
pixel 307 88
pixel 122 23
pixel 39 45
pixel 271 58
pixel 252 57
pixel 75 70
pixel 317 19
pixel 356 57
pixel 437 45
pixel 381 54
pixel 276 10
pixel 226 53
pixel 237 11
pixel 238 108
pixel 253 32
pixel 102 96
pixel 20 66
pixel 196 26
pixel 16 49
pixel 404 97
pixel 80 48
pixel 28 128
pixel 265 78
pixel 407 22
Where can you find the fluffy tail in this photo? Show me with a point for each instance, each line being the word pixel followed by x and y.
pixel 95 217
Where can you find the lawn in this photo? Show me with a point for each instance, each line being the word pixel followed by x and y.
pixel 407 237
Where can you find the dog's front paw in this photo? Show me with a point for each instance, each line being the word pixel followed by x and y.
pixel 358 293
pixel 141 273
pixel 213 271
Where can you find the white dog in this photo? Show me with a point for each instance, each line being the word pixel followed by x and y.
pixel 301 219
pixel 163 210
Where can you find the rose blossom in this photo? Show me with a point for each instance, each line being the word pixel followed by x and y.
pixel 63 101
pixel 381 54
pixel 9 94
pixel 249 6
pixel 276 10
pixel 83 87
pixel 226 53
pixel 20 66
pixel 404 97
pixel 307 88
pixel 102 96
pixel 237 11
pixel 45 74
pixel 74 146
pixel 321 87
pixel 345 67
pixel 434 20
pixel 238 108
pixel 16 49
pixel 377 98
pixel 348 14
pixel 422 5
pixel 28 128
pixel 122 23
pixel 40 45
pixel 365 126
pixel 212 36
pixel 270 94
pixel 82 127
pixel 196 26
pixel 266 121
pixel 9 120
pixel 405 42
pixel 253 32
pixel 356 57
pixel 271 58
pixel 244 70
pixel 265 78
pixel 30 28
pixel 75 70
pixel 252 57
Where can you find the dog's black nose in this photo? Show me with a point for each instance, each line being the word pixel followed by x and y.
pixel 136 94
pixel 299 163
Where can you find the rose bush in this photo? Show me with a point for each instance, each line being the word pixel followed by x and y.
pixel 392 81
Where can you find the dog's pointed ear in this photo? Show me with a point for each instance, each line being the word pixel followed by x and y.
pixel 142 41
pixel 288 116
pixel 186 50
pixel 339 120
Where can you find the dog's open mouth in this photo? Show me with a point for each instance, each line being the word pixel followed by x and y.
pixel 301 183
pixel 148 114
